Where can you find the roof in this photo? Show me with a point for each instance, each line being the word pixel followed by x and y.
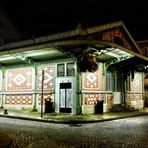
pixel 74 43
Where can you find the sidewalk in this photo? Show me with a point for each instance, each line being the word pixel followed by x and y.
pixel 69 118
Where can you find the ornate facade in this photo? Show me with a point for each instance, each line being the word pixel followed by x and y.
pixel 46 72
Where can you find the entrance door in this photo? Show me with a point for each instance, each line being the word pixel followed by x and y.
pixel 65 100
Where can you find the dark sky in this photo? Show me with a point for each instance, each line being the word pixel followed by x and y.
pixel 39 18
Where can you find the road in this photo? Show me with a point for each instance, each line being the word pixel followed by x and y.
pixel 123 133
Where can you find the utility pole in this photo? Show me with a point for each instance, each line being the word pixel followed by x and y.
pixel 42 94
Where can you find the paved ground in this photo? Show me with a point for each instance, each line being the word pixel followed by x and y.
pixel 124 133
pixel 69 118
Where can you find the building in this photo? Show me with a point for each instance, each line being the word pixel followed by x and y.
pixel 143 45
pixel 97 69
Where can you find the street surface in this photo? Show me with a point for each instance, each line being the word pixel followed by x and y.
pixel 123 133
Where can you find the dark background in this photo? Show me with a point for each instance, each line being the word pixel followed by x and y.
pixel 38 18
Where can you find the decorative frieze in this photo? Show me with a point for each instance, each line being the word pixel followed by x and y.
pixel 19 99
pixel 47 97
pixel 90 99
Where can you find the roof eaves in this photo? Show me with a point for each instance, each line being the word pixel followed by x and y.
pixel 132 39
pixel 103 27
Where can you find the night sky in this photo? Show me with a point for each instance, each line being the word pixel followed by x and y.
pixel 46 17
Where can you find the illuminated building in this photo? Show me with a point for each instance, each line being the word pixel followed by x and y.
pixel 82 68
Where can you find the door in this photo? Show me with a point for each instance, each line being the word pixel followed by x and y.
pixel 65 98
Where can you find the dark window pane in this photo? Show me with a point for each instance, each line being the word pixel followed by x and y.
pixel 70 69
pixel 61 70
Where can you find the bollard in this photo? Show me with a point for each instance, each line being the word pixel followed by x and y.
pixel 5 111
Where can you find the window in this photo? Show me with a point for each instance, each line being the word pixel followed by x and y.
pixel 70 69
pixel 61 70
pixel 128 83
pixel 118 40
pixel 108 81
pixel 66 69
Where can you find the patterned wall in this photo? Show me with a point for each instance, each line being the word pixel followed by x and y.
pixel 19 80
pixel 133 96
pixel 22 80
pixel 90 81
pixel 19 99
pixel 92 98
pixel 136 84
pixel 48 97
pixel 109 98
pixel 109 36
pixel 49 73
pixel 1 80
pixel 136 89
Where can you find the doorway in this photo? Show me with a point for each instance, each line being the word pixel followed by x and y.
pixel 65 95
pixel 65 100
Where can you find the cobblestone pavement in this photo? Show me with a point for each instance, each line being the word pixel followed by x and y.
pixel 123 133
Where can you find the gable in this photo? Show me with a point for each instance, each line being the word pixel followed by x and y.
pixel 118 37
pixel 114 32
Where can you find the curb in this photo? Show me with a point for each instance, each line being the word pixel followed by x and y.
pixel 71 121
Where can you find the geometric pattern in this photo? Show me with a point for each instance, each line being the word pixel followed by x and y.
pixel 136 84
pixel 138 96
pixel 1 80
pixel 19 80
pixel 19 99
pixel 48 83
pixel 109 36
pixel 91 77
pixel 133 96
pixel 90 99
pixel 109 98
pixel 48 97
pixel 127 97
pixel 90 81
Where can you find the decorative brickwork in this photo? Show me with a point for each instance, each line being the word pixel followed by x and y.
pixel 90 99
pixel 109 98
pixel 127 97
pixel 110 35
pixel 19 80
pixel 48 97
pixel 48 78
pixel 90 81
pixel 19 99
pixel 136 87
pixel 137 83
